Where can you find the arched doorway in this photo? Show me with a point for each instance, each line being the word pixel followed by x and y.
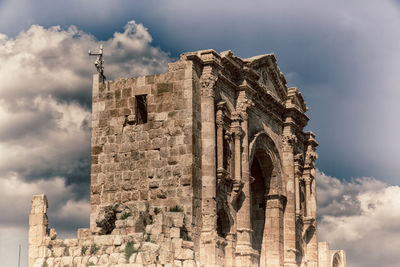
pixel 261 170
pixel 267 201
pixel 336 262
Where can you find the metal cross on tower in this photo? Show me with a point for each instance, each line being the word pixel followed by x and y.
pixel 99 63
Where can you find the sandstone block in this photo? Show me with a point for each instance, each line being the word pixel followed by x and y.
pixel 104 240
pixel 177 243
pixel 117 240
pixel 139 258
pixel 77 261
pixel 175 232
pixel 66 261
pixel 103 260
pixel 93 259
pixel 113 259
pixel 71 242
pixel 184 254
pixel 122 259
pixel 151 247
pixel 177 218
pixel 58 251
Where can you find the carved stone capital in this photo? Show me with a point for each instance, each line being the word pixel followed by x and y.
pixel 243 105
pixel 219 118
pixel 237 131
pixel 289 140
pixel 207 85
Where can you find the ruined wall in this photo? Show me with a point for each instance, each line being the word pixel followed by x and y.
pixel 163 242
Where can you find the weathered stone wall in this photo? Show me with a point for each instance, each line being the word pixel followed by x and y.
pixel 144 164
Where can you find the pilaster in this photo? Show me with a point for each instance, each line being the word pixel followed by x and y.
pixel 310 221
pixel 245 254
pixel 272 248
pixel 289 141
pixel 208 237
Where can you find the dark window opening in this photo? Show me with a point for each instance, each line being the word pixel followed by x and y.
pixel 141 109
pixel 226 149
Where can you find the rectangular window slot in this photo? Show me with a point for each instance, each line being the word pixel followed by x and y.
pixel 141 109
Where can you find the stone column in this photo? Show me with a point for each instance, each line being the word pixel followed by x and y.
pixel 243 245
pixel 289 140
pixel 38 228
pixel 272 247
pixel 310 222
pixel 246 255
pixel 238 151
pixel 312 246
pixel 308 196
pixel 208 168
pixel 297 175
pixel 220 138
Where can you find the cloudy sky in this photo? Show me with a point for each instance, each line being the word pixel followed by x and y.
pixel 343 55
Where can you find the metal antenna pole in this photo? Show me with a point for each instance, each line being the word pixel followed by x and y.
pixel 99 63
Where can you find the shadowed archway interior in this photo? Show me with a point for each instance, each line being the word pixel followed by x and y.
pixel 261 171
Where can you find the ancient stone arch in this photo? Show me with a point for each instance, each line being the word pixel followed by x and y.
pixel 336 260
pixel 263 148
pixel 175 160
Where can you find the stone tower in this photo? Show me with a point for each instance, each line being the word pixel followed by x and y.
pixel 205 165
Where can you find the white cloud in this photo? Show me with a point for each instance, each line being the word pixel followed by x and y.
pixel 362 217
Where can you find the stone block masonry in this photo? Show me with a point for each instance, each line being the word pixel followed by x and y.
pixel 205 165
pixel 142 151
